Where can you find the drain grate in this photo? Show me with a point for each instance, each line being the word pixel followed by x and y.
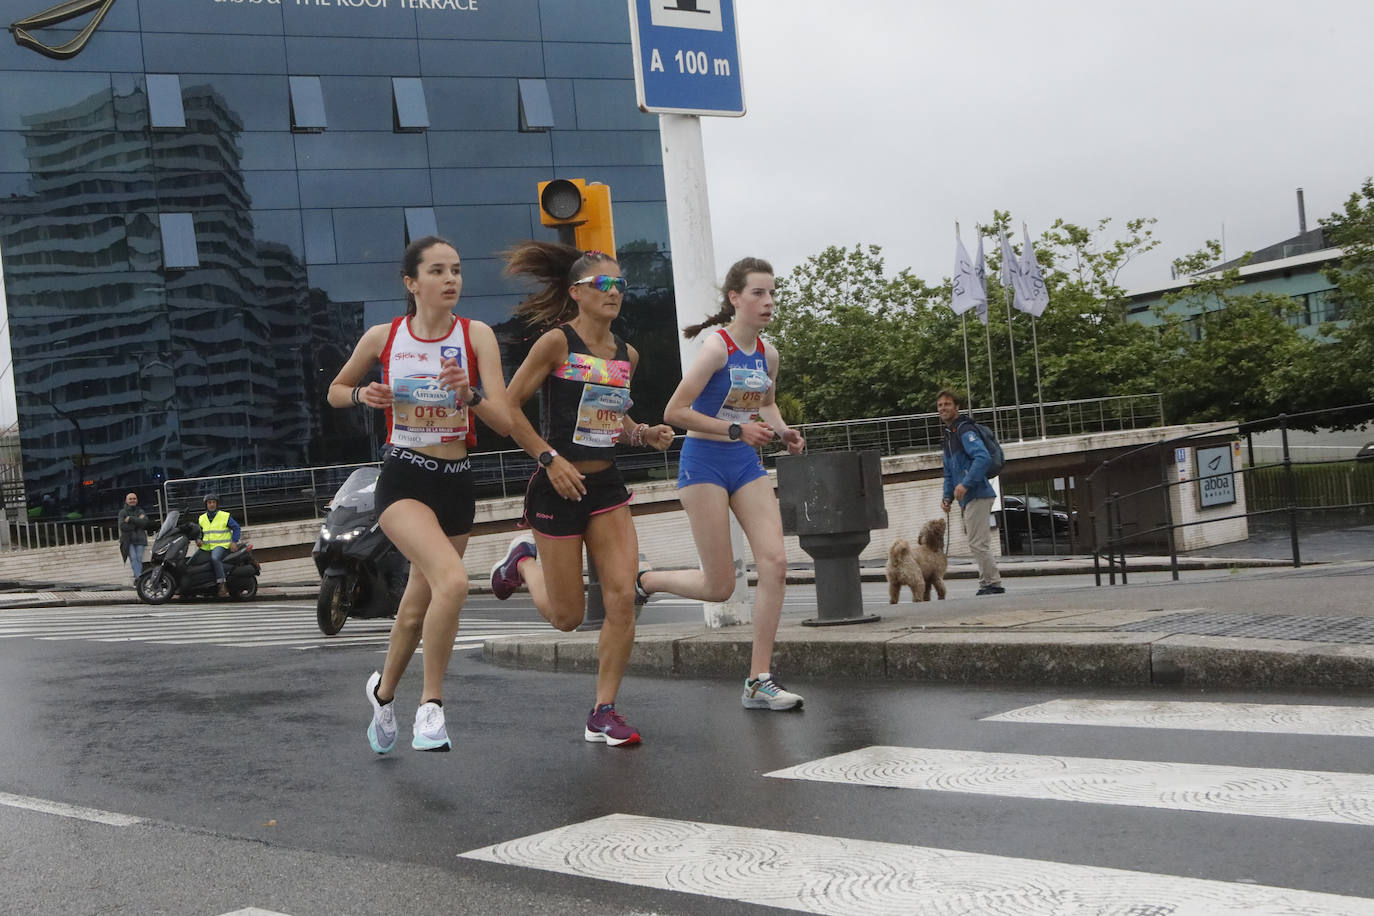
pixel 1261 626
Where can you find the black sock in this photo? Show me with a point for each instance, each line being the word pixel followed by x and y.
pixel 380 701
pixel 439 703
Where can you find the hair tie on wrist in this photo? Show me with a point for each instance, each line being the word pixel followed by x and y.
pixel 357 401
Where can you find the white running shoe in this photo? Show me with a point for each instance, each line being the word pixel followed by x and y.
pixel 381 731
pixel 430 734
pixel 764 692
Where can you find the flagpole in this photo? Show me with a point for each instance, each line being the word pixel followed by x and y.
pixel 968 379
pixel 1015 391
pixel 1039 394
pixel 992 387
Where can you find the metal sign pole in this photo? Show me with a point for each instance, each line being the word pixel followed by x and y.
pixel 686 59
pixel 695 294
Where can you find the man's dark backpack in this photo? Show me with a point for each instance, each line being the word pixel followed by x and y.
pixel 998 458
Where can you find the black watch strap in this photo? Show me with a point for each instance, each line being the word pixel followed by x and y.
pixel 476 399
pixel 735 432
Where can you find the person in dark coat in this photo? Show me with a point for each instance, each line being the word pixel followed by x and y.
pixel 134 526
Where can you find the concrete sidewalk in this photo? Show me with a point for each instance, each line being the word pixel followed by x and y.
pixel 1237 628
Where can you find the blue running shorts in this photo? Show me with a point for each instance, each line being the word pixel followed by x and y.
pixel 729 465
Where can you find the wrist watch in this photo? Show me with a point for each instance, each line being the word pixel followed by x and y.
pixel 546 457
pixel 476 399
pixel 735 432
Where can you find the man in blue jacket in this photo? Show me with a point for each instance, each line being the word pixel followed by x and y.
pixel 966 461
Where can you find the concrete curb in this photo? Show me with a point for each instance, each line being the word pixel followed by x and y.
pixel 1077 659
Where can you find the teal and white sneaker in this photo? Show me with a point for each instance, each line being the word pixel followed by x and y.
pixel 763 692
pixel 381 731
pixel 430 734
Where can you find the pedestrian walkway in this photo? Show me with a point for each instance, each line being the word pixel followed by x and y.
pixel 1231 627
pixel 815 873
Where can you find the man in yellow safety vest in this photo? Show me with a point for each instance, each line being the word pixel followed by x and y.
pixel 219 534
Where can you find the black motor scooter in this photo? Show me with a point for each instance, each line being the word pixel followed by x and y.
pixel 169 571
pixel 362 574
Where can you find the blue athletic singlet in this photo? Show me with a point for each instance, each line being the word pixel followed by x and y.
pixel 735 391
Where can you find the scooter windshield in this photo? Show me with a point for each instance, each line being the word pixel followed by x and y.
pixel 169 523
pixel 358 492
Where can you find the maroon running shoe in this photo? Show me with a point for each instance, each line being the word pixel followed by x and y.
pixel 605 724
pixel 505 575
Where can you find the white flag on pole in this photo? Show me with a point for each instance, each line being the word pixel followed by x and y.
pixel 1037 298
pixel 1010 276
pixel 968 289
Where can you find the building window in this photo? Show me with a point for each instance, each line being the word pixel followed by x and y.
pixel 420 222
pixel 165 108
pixel 1301 316
pixel 307 104
pixel 1324 307
pixel 178 241
pixel 409 112
pixel 536 111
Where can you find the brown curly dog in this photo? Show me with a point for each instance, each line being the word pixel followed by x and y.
pixel 921 569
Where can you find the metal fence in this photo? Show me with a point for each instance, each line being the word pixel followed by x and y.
pixel 260 497
pixel 1282 489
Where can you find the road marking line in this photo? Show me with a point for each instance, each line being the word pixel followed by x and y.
pixel 63 810
pixel 822 874
pixel 1336 798
pixel 1336 721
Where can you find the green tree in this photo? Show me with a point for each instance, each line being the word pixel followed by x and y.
pixel 1347 370
pixel 1087 347
pixel 855 342
pixel 1244 360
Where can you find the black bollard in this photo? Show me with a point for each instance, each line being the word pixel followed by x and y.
pixel 831 501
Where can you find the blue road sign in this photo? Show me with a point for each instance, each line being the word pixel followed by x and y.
pixel 686 57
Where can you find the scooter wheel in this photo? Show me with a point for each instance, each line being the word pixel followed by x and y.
pixel 246 592
pixel 331 611
pixel 156 586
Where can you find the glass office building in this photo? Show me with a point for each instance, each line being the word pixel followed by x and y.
pixel 203 204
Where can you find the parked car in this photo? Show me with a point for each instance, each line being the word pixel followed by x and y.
pixel 1366 453
pixel 1045 521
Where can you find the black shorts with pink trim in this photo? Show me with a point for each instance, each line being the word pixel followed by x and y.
pixel 553 516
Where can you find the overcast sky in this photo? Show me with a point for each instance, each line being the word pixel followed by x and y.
pixel 884 121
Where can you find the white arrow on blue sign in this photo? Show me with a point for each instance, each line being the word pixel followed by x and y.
pixel 686 57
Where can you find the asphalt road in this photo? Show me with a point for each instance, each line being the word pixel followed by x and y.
pixel 249 775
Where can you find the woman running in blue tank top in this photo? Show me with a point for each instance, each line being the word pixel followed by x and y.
pixel 727 403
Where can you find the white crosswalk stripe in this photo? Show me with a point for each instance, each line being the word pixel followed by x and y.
pixel 821 874
pixel 1275 718
pixel 1337 798
pixel 257 625
pixel 824 874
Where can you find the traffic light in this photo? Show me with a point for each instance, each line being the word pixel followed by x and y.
pixel 580 211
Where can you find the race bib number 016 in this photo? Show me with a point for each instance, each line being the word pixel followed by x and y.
pixel 600 415
pixel 745 397
pixel 421 406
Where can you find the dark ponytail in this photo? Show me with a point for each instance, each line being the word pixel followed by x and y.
pixel 734 283
pixel 555 267
pixel 410 263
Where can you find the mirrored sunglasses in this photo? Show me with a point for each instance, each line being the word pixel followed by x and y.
pixel 603 283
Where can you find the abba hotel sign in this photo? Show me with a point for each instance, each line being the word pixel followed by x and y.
pixel 23 30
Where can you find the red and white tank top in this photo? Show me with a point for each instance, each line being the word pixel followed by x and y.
pixel 422 413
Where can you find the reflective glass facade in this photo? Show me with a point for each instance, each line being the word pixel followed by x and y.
pixel 180 296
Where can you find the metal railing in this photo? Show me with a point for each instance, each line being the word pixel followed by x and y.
pixel 1273 489
pixel 291 494
pixel 37 535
